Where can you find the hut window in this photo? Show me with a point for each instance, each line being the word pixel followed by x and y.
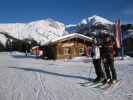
pixel 81 51
pixel 66 51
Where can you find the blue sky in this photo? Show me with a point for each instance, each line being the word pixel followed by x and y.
pixel 67 11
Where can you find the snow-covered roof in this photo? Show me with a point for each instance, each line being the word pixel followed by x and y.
pixel 70 36
pixel 35 47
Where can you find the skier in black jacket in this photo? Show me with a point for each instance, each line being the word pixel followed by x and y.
pixel 108 59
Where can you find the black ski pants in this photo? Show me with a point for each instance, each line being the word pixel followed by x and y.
pixel 110 69
pixel 98 68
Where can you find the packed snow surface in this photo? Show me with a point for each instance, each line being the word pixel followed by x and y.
pixel 29 78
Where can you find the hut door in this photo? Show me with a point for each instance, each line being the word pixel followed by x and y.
pixel 67 52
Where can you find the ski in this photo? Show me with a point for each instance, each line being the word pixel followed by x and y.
pixel 92 84
pixel 86 84
pixel 95 85
pixel 99 85
pixel 105 86
pixel 112 87
pixel 82 83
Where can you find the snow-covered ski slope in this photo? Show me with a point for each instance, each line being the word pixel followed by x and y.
pixel 28 78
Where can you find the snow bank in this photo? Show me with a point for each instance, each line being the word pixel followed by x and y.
pixel 3 39
pixel 84 59
pixel 121 58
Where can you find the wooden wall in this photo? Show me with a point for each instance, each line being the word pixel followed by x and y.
pixel 74 46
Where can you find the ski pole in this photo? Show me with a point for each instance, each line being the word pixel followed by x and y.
pixel 90 70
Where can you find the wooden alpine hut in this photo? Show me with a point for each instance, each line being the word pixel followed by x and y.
pixel 67 47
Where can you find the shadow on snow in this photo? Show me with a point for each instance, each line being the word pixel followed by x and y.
pixel 22 56
pixel 52 73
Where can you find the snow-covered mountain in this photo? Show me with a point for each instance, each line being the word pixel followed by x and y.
pixel 93 20
pixel 45 30
pixel 41 31
pixel 71 28
pixel 87 23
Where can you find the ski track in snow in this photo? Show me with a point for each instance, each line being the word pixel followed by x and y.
pixel 28 78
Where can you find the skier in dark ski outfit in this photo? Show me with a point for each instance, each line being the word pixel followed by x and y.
pixel 108 59
pixel 97 61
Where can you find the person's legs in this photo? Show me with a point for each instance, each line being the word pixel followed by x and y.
pixel 112 69
pixel 98 69
pixel 107 70
pixel 95 62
